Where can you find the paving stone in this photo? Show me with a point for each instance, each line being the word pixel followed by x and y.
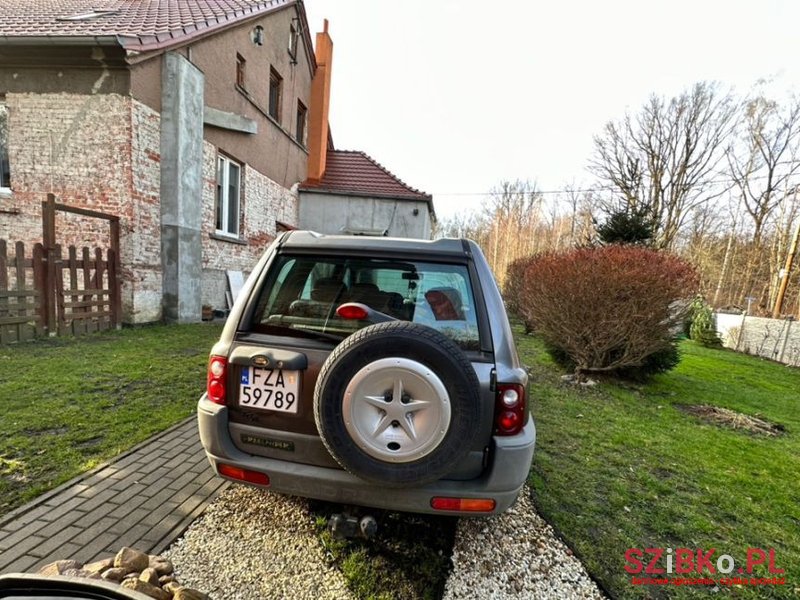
pixel 19 549
pixel 156 501
pixel 91 551
pixel 145 500
pixel 66 550
pixel 133 503
pixel 12 539
pixel 123 497
pixel 186 491
pixel 54 528
pixel 153 517
pixel 35 514
pixel 121 525
pixel 89 533
pixel 73 490
pixel 55 542
pixel 23 564
pixel 106 496
pixel 70 504
pixel 132 479
pixel 130 538
pixel 183 480
pixel 155 476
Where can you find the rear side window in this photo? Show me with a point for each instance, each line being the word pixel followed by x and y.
pixel 302 293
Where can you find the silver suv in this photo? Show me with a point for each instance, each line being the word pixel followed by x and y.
pixel 371 371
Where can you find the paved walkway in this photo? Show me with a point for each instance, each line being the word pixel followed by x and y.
pixel 145 498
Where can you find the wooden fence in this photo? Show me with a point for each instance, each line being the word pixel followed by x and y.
pixel 45 293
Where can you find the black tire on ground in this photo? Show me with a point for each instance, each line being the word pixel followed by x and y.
pixel 400 339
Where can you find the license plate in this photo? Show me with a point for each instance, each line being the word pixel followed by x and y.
pixel 269 389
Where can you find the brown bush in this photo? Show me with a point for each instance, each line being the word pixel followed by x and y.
pixel 607 308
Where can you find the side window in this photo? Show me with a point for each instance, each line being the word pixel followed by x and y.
pixel 275 92
pixel 5 171
pixel 228 196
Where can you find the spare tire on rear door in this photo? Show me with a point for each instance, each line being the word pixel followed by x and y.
pixel 398 403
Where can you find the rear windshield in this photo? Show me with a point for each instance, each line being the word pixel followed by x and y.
pixel 302 294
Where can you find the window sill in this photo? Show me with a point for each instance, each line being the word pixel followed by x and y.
pixel 221 237
pixel 5 192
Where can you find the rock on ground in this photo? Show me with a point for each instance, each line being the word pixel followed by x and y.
pixel 251 544
pixel 515 555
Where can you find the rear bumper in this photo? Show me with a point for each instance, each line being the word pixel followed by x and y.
pixel 502 481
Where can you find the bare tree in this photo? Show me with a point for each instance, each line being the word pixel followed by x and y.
pixel 664 160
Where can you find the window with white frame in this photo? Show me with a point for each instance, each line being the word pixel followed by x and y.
pixel 228 195
pixel 5 171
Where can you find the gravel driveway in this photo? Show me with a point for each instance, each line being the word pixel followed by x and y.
pixel 515 555
pixel 252 545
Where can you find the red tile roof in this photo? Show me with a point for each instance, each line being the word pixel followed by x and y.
pixel 140 25
pixel 355 173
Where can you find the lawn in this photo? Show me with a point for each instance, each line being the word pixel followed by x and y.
pixel 621 466
pixel 69 404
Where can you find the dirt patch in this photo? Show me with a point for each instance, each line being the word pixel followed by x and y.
pixel 734 420
pixel 50 431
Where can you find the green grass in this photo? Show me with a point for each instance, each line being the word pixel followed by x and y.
pixel 621 466
pixel 409 559
pixel 70 404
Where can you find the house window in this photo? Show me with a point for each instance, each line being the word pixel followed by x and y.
pixel 5 171
pixel 293 42
pixel 275 89
pixel 240 62
pixel 300 131
pixel 228 194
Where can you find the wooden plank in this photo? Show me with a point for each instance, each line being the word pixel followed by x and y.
pixel 73 274
pixel 86 304
pixel 114 284
pixel 3 266
pixel 85 212
pixel 15 320
pixel 40 284
pixel 87 275
pixel 19 263
pixel 61 322
pixel 18 293
pixel 20 305
pixel 102 315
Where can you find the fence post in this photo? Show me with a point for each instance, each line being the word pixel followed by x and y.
pixel 117 297
pixel 113 287
pixel 40 285
pixel 48 243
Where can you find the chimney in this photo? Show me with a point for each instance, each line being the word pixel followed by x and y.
pixel 318 109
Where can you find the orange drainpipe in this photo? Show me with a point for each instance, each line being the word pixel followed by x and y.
pixel 319 106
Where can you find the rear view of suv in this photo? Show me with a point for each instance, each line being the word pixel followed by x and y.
pixel 371 371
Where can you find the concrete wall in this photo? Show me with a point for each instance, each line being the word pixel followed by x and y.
pixel 181 171
pixel 337 214
pixel 776 339
pixel 96 151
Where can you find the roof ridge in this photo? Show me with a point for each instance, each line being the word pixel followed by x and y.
pixel 385 170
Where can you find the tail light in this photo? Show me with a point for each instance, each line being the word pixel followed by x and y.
pixel 217 375
pixel 243 474
pixel 464 504
pixel 509 409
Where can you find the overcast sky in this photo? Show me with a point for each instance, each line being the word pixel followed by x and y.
pixel 454 96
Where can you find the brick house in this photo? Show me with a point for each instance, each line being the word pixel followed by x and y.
pixel 190 120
